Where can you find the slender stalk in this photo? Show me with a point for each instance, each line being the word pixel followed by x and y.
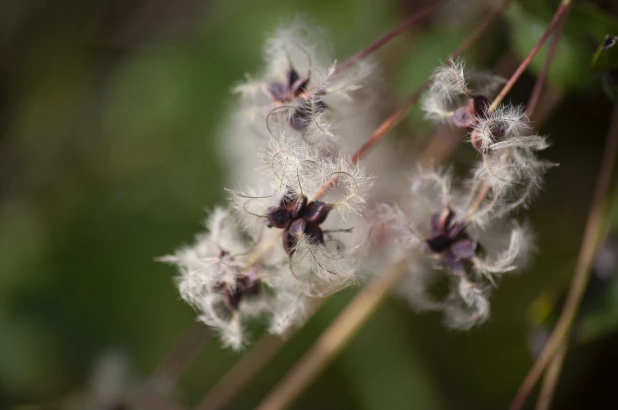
pixel 241 373
pixel 551 53
pixel 562 9
pixel 557 24
pixel 582 268
pixel 179 358
pixel 413 98
pixel 550 381
pixel 333 339
pixel 414 18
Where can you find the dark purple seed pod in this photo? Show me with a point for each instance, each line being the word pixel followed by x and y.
pixel 463 118
pixel 277 91
pixel 297 228
pixel 278 218
pixel 438 243
pixel 457 231
pixel 463 248
pixel 297 207
pixel 232 299
pixel 300 119
pixel 453 263
pixel 314 234
pixel 299 86
pixel 316 212
pixel 292 78
pixel 289 242
pixel 479 106
pixel 249 282
pixel 441 221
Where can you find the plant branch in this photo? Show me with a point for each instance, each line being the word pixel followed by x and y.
pixel 414 18
pixel 562 9
pixel 179 358
pixel 582 268
pixel 333 339
pixel 558 22
pixel 550 381
pixel 241 373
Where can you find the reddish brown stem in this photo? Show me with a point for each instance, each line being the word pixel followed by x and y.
pixel 391 35
pixel 551 53
pixel 412 99
pixel 563 8
pixel 582 268
pixel 241 373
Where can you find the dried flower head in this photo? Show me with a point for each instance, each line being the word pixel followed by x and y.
pixel 306 197
pixel 440 244
pixel 299 93
pixel 221 277
pixel 458 95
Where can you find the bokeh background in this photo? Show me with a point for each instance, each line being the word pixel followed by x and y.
pixel 109 119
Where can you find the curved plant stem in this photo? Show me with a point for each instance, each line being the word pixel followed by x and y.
pixel 333 339
pixel 413 98
pixel 550 381
pixel 179 358
pixel 551 53
pixel 409 22
pixel 582 268
pixel 562 9
pixel 557 24
pixel 241 373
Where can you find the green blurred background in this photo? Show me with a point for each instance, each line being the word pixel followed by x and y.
pixel 109 114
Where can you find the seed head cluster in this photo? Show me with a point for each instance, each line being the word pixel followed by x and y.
pixel 301 219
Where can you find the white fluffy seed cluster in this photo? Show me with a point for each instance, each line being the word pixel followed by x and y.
pixel 296 218
pixel 456 236
pixel 453 262
pixel 287 234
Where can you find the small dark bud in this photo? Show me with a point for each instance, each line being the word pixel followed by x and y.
pixel 479 106
pixel 289 242
pixel 476 141
pixel 300 119
pixel 299 86
pixel 277 91
pixel 462 118
pixel 441 221
pixel 297 228
pixel 438 243
pixel 278 218
pixel 232 299
pixel 292 77
pixel 463 248
pixel 297 206
pixel 316 212
pixel 313 234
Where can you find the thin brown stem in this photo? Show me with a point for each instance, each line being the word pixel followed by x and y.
pixel 557 23
pixel 550 381
pixel 413 98
pixel 241 373
pixel 563 8
pixel 582 268
pixel 414 18
pixel 179 358
pixel 332 340
pixel 535 96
